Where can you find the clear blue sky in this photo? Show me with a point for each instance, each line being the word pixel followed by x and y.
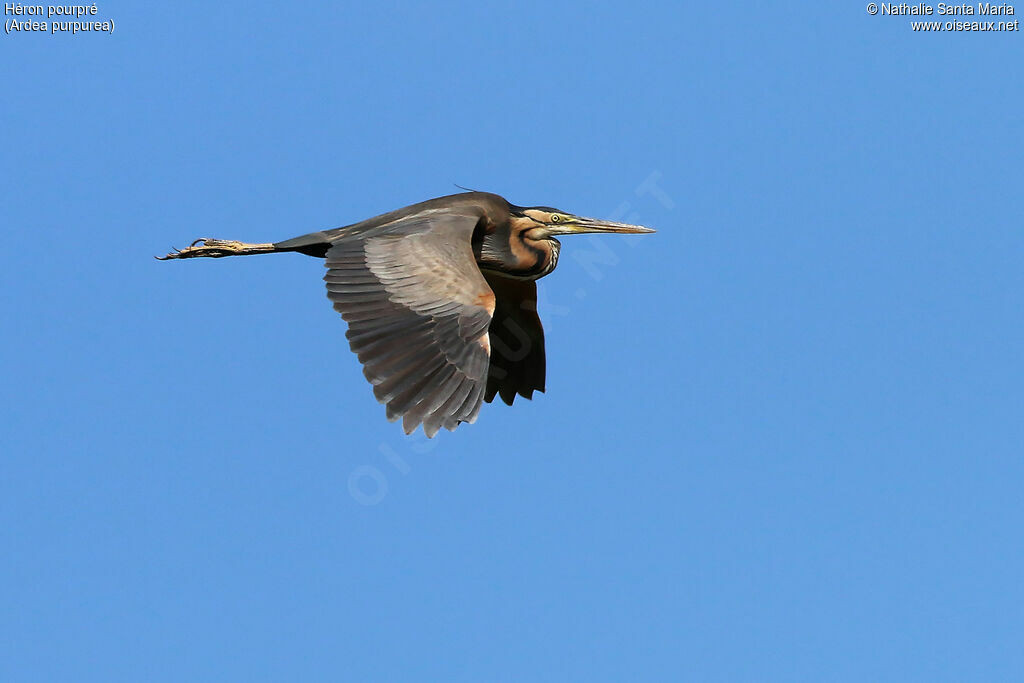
pixel 782 439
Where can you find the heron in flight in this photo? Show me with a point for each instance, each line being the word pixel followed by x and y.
pixel 440 298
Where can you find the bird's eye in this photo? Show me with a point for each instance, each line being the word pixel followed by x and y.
pixel 555 218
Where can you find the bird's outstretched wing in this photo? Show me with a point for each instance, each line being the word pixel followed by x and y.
pixel 517 340
pixel 418 310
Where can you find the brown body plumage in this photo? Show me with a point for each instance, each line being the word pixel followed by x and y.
pixel 440 299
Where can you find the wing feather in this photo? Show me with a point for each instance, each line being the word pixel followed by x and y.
pixel 517 360
pixel 418 310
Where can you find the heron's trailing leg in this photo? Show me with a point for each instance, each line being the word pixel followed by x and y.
pixel 212 248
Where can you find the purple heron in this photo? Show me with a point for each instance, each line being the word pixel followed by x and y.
pixel 440 298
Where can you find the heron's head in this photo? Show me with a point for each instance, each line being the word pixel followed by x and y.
pixel 548 222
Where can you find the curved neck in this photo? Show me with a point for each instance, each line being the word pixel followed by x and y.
pixel 504 248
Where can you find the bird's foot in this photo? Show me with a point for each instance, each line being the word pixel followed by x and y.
pixel 209 247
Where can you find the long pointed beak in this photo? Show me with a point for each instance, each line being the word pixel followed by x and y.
pixel 584 225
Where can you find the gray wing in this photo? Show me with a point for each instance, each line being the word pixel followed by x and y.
pixel 418 310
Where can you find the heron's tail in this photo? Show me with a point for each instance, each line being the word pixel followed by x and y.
pixel 313 244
